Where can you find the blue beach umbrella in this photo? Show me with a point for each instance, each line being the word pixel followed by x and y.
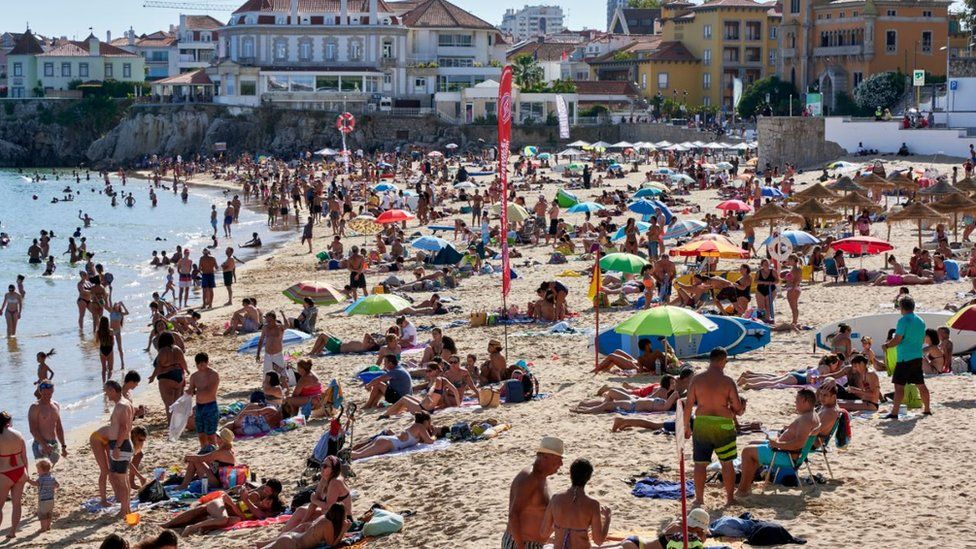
pixel 544 156
pixel 683 228
pixel 644 206
pixel 649 192
pixel 796 238
pixel 585 207
pixel 772 192
pixel 664 171
pixel 383 187
pixel 620 234
pixel 429 243
pixel 384 165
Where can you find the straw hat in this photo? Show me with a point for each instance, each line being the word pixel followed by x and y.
pixel 550 445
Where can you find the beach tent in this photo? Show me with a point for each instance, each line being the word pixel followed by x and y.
pixel 327 152
pixel 447 256
pixel 566 199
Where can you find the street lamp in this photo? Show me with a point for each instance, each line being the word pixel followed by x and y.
pixel 947 51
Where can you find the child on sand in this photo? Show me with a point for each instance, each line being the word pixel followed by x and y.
pixel 46 485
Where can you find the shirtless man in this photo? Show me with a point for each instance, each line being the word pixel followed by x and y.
pixel 494 368
pixel 120 450
pixel 204 384
pixel 653 236
pixel 271 340
pixel 229 215
pixel 307 233
pixel 35 254
pixel 87 221
pixel 357 274
pixel 11 309
pixel 528 497
pixel 185 269
pixel 208 274
pixel 863 391
pixel 245 320
pixel 229 270
pixel 44 419
pixel 664 273
pixel 791 440
pixel 717 400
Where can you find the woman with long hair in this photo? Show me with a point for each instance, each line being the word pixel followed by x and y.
pixel 13 470
pixel 105 337
pixel 170 369
pixel 330 490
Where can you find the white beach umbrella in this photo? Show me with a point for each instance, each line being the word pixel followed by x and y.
pixel 579 143
pixel 663 144
pixel 621 145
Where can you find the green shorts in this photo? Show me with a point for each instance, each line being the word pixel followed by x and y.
pixel 333 345
pixel 713 434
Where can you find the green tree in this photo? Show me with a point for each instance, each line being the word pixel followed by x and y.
pixel 650 4
pixel 969 13
pixel 779 92
pixel 526 72
pixel 880 90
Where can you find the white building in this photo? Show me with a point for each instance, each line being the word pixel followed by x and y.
pixel 158 49
pixel 196 42
pixel 532 21
pixel 348 54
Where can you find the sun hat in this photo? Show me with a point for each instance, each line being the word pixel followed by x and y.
pixel 550 445
pixel 698 518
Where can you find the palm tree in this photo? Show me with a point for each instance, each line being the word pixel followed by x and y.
pixel 526 72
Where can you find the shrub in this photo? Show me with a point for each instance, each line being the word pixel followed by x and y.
pixel 880 90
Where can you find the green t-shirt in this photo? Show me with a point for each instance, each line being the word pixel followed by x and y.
pixel 911 328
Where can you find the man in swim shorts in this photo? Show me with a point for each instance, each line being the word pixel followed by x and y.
pixel 208 270
pixel 120 449
pixel 272 341
pixel 185 269
pixel 229 270
pixel 357 275
pixel 715 400
pixel 204 384
pixel 44 419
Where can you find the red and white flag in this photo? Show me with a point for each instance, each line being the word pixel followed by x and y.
pixel 504 147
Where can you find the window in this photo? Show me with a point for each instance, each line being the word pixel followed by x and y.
pixel 732 30
pixel 853 14
pixel 753 55
pixel 662 80
pixel 48 69
pixel 753 30
pixel 858 78
pixel 305 51
pixel 841 15
pixel 371 84
pixel 327 83
pixel 126 70
pixel 455 40
pixel 247 49
pixel 350 84
pixel 455 61
pixel 707 32
pixel 892 13
pixel 65 69
pixel 891 41
pixel 420 84
pixel 772 58
pixel 773 32
pixel 387 79
pixel 490 108
pixel 707 101
pixel 277 83
pixel 280 50
pixel 18 69
pixel 644 81
pixel 355 50
pixel 707 81
pixel 109 70
pixel 926 13
pixel 249 87
pixel 926 41
pixel 794 6
pixel 824 40
pixel 302 83
pixel 83 70
pixel 730 55
pixel 330 51
pixel 387 49
pixel 706 57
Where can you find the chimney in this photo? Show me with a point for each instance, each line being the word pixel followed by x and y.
pixel 108 36
pixel 343 12
pixel 93 46
pixel 373 12
pixel 131 35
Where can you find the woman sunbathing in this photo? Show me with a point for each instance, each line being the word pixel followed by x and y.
pixel 325 531
pixel 330 490
pixel 430 306
pixel 644 363
pixel 420 432
pixel 830 366
pixel 441 393
pixel 628 405
pixel 223 511
pixel 257 418
pixel 334 345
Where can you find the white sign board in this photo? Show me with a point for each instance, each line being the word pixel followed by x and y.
pixel 918 78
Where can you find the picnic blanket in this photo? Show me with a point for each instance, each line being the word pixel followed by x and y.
pixel 655 488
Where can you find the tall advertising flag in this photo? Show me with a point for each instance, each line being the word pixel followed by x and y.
pixel 504 147
pixel 563 114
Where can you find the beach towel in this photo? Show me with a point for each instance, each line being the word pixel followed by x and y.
pixel 733 527
pixel 287 425
pixel 655 488
pixel 418 449
pixel 246 524
pixel 843 435
pixel 770 533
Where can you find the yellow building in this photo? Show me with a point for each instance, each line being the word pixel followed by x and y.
pixel 705 47
pixel 835 45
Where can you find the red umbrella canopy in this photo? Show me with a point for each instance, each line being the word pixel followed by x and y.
pixel 394 216
pixel 734 206
pixel 862 245
pixel 965 319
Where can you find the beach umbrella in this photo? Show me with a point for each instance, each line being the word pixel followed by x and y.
pixel 967 185
pixel 666 321
pixel 377 304
pixel 394 216
pixel 796 238
pixel 327 152
pixel 684 228
pixel 516 213
pixel 544 156
pixel 841 165
pixel 903 181
pixel 615 166
pixel 678 147
pixel 863 245
pixel 716 146
pixel 623 263
pixel 467 186
pixel 620 234
pixel 621 145
pixel 649 192
pixel 365 225
pixel 451 146
pixel 571 152
pixel 644 206
pixel 683 178
pixel 600 145
pixel 813 209
pixel 734 206
pixel 855 201
pixel 662 144
pixel 384 165
pixel 709 248
pixel 772 192
pixel 530 151
pixel 743 146
pixel 773 213
pixel 955 204
pixel 435 154
pixel 384 187
pixel 917 212
pixel 575 167
pixel 290 338
pixel 941 188
pixel 579 143
pixel 874 181
pixel 655 185
pixel 724 166
pixel 585 207
pixel 816 192
pixel 846 185
pixel 664 171
pixel 429 243
pixel 566 199
pixel 963 320
pixel 319 292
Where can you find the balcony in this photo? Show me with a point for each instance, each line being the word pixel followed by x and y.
pixel 834 51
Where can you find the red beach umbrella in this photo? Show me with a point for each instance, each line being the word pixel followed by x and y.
pixel 734 206
pixel 394 216
pixel 862 245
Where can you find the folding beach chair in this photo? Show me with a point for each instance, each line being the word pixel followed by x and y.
pixel 825 441
pixel 830 269
pixel 782 460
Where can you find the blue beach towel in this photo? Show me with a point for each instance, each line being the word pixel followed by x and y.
pixel 655 488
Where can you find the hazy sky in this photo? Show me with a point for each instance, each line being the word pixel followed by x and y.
pixel 68 18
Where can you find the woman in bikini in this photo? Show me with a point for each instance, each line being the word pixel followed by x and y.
pixel 420 432
pixel 766 289
pixel 441 393
pixel 160 327
pixel 793 288
pixel 117 316
pixel 99 447
pixel 331 489
pixel 208 465
pixel 13 470
pixel 105 337
pixel 743 290
pixel 223 512
pixel 460 378
pixel 308 389
pixel 574 516
pixel 933 359
pixel 99 301
pixel 170 369
pixel 11 309
pixel 325 531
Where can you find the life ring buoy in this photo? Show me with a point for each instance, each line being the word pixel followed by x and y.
pixel 346 122
pixel 780 249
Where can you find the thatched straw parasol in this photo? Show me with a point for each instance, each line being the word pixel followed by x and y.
pixel 941 188
pixel 874 181
pixel 846 185
pixel 772 212
pixel 902 181
pixel 966 185
pixel 855 201
pixel 813 210
pixel 955 204
pixel 915 212
pixel 816 191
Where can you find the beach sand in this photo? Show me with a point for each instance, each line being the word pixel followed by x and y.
pixel 898 484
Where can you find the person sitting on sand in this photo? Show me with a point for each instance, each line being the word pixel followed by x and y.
pixel 863 390
pixel 391 345
pixel 271 387
pixel 462 379
pixel 255 242
pixel 493 370
pixel 187 323
pixel 441 393
pixel 574 516
pixel 208 465
pixel 787 444
pixel 223 511
pixel 325 531
pixel 672 534
pixel 330 489
pixel 246 320
pixel 257 418
pixel 934 361
pixel 544 309
pixel 308 389
pixel 645 363
pixel 395 384
pixel 627 405
pixel 430 306
pixel 829 366
pixel 420 432
pixel 305 321
pixel 334 345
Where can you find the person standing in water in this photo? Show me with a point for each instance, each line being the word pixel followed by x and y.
pixel 229 270
pixel 11 309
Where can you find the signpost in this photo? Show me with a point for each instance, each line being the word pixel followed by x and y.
pixel 918 80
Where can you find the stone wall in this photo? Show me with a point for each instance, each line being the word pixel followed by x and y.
pixel 797 140
pixel 962 67
pixel 653 133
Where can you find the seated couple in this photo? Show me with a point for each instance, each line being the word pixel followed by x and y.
pixel 441 393
pixel 830 366
pixel 647 360
pixel 246 320
pixel 257 418
pixel 253 504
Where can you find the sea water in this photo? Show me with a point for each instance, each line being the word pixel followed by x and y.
pixel 122 239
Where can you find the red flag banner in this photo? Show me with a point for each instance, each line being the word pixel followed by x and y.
pixel 504 147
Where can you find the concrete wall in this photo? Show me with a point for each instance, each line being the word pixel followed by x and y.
pixel 798 140
pixel 887 137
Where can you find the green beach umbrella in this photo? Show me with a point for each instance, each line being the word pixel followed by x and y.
pixel 623 263
pixel 378 304
pixel 666 321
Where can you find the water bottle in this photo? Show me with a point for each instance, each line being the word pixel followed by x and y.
pixel 204 485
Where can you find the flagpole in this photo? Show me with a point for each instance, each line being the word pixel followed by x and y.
pixel 596 305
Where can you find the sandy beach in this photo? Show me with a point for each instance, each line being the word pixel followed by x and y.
pixel 899 483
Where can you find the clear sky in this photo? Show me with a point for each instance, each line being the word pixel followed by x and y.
pixel 69 18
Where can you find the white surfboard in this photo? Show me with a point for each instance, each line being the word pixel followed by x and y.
pixel 877 326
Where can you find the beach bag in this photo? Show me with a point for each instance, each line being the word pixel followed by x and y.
pixel 302 497
pixel 383 523
pixel 153 493
pixel 488 397
pixel 233 476
pixel 180 411
pixel 460 431
pixel 513 391
pixel 913 399
pixel 479 319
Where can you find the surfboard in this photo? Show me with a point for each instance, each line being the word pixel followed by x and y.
pixel 877 326
pixel 735 335
pixel 292 337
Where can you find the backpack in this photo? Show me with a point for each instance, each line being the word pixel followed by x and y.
pixel 460 431
pixel 303 497
pixel 153 493
pixel 530 384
